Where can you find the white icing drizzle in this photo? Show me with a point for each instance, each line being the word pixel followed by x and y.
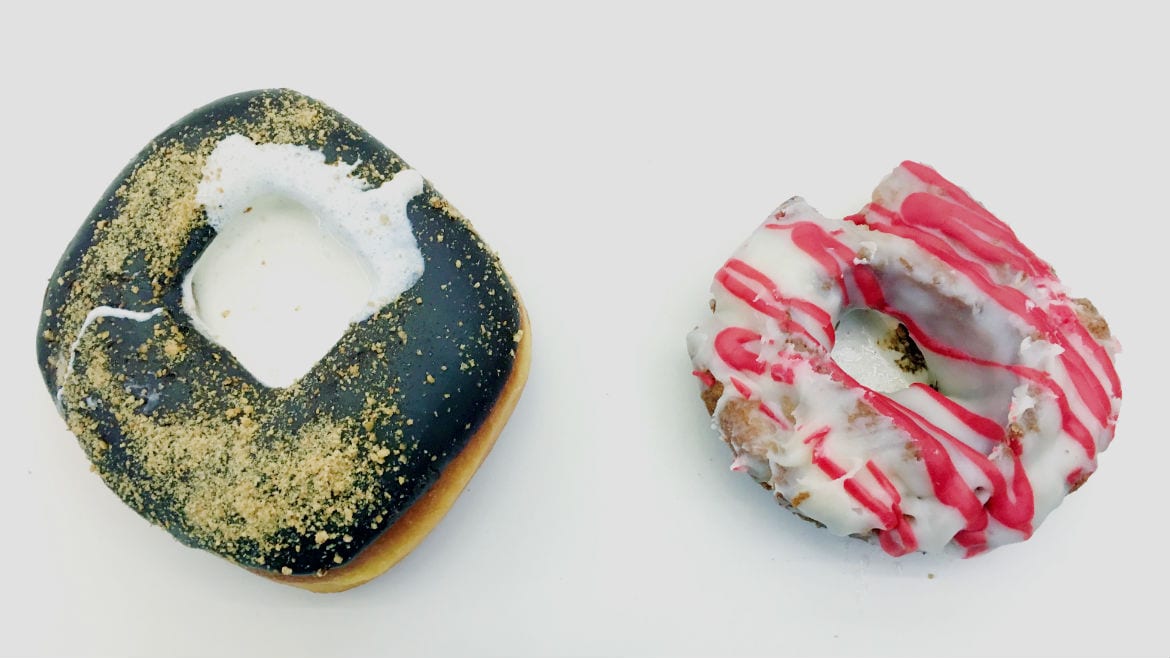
pixel 90 318
pixel 106 312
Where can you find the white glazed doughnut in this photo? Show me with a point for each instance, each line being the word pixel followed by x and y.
pixel 973 396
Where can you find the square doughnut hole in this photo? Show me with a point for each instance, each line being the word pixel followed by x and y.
pixel 277 290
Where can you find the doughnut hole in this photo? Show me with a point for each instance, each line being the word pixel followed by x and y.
pixel 276 289
pixel 877 351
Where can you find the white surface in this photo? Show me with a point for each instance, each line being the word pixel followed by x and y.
pixel 857 349
pixel 614 156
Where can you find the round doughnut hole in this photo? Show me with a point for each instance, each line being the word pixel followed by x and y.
pixel 276 289
pixel 877 351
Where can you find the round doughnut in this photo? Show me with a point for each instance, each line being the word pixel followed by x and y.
pixel 912 375
pixel 327 480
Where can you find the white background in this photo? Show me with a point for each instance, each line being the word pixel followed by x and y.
pixel 614 155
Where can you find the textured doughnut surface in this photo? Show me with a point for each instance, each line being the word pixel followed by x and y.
pixel 307 483
pixel 1008 387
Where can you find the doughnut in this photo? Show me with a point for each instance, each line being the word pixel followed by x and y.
pixel 911 375
pixel 322 479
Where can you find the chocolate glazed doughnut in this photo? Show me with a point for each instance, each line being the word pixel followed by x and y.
pixel 326 482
